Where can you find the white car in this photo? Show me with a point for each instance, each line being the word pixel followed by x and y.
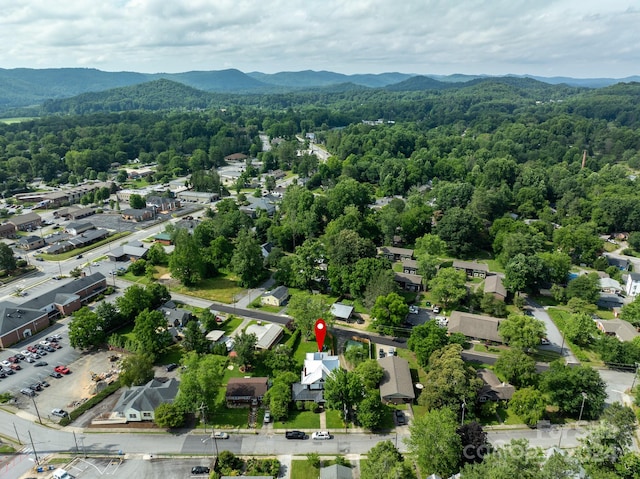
pixel 321 435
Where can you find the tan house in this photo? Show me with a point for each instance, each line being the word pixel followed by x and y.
pixel 275 297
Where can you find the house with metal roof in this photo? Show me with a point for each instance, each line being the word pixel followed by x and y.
pixel 266 334
pixel 341 311
pixel 396 386
pixel 317 366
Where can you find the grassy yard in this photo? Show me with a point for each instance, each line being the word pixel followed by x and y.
pixel 334 419
pixel 303 469
pixel 299 420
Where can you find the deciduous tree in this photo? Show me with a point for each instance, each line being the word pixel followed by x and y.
pixel 434 442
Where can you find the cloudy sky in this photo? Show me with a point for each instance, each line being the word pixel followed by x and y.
pixel 577 38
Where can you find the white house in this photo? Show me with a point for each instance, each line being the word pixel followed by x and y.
pixel 633 284
pixel 139 402
pixel 317 366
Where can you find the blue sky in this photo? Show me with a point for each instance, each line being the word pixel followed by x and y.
pixel 577 38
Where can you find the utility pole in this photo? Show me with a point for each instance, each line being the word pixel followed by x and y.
pixel 16 430
pixel 34 449
pixel 36 407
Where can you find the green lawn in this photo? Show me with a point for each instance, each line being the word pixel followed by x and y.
pixel 334 419
pixel 299 420
pixel 303 348
pixel 302 469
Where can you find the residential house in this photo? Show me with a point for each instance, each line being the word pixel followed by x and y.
pixel 610 301
pixel 493 286
pixel 623 264
pixel 336 471
pixel 317 366
pixel 176 317
pixel 26 222
pixel 472 269
pixel 396 386
pixel 266 249
pixel 31 242
pixel 75 228
pixel 493 389
pixel 243 392
pixel 341 311
pixel 621 329
pixel 138 403
pixel 256 204
pixel 409 266
pixel 266 334
pixel 7 230
pixel 18 322
pixel 70 296
pixel 128 252
pixel 393 253
pixel 632 287
pixel 409 282
pixel 137 215
pixel 610 285
pixel 275 297
pixel 475 326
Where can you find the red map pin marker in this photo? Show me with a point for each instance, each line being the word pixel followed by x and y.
pixel 321 332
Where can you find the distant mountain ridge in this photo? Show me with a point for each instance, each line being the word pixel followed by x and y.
pixel 24 87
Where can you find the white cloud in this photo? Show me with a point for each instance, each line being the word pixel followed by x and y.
pixel 548 37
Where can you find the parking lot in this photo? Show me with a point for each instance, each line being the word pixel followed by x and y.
pixel 121 466
pixel 66 392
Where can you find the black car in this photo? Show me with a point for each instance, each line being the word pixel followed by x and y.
pixel 200 470
pixel 171 367
pixel 295 435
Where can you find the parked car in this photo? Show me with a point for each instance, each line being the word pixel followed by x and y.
pixel 171 367
pixel 62 369
pixel 295 435
pixel 39 364
pixel 59 413
pixel 28 392
pixel 321 435
pixel 200 470
pixel 220 435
